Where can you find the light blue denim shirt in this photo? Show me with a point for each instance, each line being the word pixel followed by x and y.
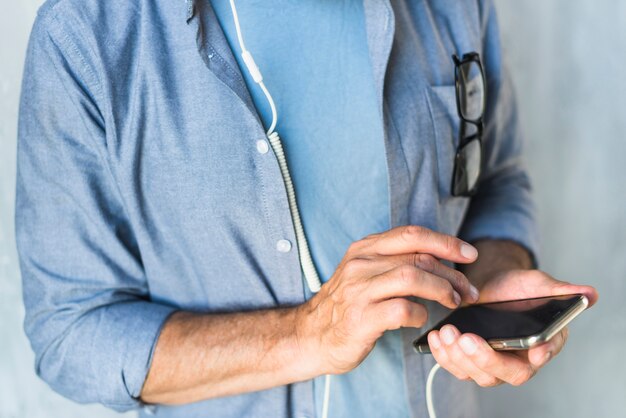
pixel 141 191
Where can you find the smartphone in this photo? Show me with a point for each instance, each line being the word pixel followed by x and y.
pixel 514 324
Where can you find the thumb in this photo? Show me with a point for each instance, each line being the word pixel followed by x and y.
pixel 565 288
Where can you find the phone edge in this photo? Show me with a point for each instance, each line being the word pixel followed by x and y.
pixel 557 326
pixel 531 341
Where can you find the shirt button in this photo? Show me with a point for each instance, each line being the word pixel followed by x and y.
pixel 283 246
pixel 262 146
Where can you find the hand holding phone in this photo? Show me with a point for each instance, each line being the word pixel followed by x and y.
pixel 469 356
pixel 512 325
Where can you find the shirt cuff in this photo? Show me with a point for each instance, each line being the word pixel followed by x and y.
pixel 503 218
pixel 138 326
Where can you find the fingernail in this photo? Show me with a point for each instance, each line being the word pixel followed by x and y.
pixel 447 335
pixel 467 345
pixel 546 358
pixel 457 298
pixel 434 341
pixel 474 292
pixel 468 251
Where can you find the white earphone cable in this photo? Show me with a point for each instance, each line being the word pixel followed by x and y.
pixel 429 390
pixel 326 396
pixel 306 261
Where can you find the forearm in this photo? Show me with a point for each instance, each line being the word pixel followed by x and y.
pixel 495 257
pixel 212 355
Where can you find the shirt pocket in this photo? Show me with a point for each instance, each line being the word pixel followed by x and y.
pixel 446 128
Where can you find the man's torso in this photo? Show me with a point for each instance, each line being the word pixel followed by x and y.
pixel 207 209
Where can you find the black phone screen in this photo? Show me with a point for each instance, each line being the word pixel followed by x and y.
pixel 511 319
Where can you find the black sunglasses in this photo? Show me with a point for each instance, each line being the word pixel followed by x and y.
pixel 470 102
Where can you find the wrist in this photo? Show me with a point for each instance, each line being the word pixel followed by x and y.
pixel 305 345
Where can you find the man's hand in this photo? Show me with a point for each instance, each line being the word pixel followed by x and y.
pixel 470 357
pixel 202 356
pixel 367 294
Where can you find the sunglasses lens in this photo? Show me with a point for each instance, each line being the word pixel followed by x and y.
pixel 471 90
pixel 467 168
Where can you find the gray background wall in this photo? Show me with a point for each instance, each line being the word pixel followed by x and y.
pixel 568 59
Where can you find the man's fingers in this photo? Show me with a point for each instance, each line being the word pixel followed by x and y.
pixel 470 355
pixel 508 367
pixel 395 313
pixel 416 239
pixel 545 285
pixel 441 356
pixel 459 359
pixel 427 262
pixel 377 265
pixel 567 288
pixel 477 354
pixel 458 280
pixel 406 280
pixel 540 355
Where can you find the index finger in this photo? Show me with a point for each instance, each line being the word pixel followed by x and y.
pixel 417 239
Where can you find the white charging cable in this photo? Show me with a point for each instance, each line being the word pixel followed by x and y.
pixel 429 390
pixel 306 261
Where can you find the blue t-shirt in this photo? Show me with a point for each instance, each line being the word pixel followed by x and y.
pixel 315 62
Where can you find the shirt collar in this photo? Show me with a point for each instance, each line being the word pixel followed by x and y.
pixel 380 28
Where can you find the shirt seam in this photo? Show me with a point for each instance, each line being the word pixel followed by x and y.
pixel 104 110
pixel 97 149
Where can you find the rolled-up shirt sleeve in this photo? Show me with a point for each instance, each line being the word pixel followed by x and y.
pixel 89 317
pixel 503 207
